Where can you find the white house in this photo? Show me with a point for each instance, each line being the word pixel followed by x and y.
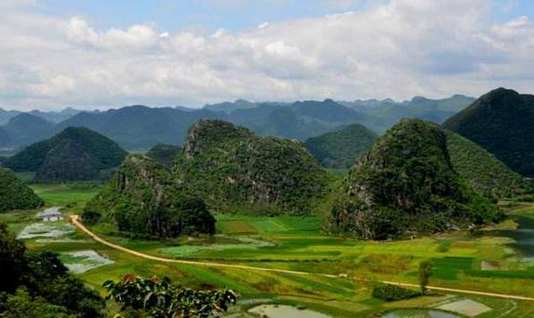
pixel 51 215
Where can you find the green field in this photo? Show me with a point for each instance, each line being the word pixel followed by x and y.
pixel 486 260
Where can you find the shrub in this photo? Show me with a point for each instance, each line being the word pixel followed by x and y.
pixel 387 292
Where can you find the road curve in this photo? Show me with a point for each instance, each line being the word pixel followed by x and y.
pixel 76 221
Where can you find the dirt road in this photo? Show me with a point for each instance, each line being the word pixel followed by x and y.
pixel 75 220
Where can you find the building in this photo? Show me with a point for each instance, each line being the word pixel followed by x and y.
pixel 51 215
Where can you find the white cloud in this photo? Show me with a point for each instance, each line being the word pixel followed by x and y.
pixel 398 49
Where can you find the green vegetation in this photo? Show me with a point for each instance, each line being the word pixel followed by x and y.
pixel 425 271
pixel 482 171
pixel 164 154
pixel 236 171
pixel 15 194
pixel 25 129
pixel 406 185
pixel 158 298
pixel 39 284
pixel 74 154
pixel 144 199
pixel 388 292
pixel 501 122
pixel 340 149
pixel 297 243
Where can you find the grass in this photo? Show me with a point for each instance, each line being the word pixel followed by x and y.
pixel 298 244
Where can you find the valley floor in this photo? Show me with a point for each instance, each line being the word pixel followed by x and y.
pixel 495 260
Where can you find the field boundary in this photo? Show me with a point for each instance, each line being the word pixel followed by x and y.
pixel 76 221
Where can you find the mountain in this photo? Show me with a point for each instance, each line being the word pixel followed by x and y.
pixel 4 138
pixel 300 120
pixel 144 199
pixel 501 122
pixel 6 115
pixel 15 195
pixel 139 127
pixel 234 170
pixel 340 149
pixel 74 154
pixel 56 117
pixel 483 172
pixel 385 113
pixel 229 107
pixel 25 129
pixel 406 185
pixel 164 154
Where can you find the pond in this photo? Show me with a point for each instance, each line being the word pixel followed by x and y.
pixel 283 311
pixel 523 236
pixel 419 313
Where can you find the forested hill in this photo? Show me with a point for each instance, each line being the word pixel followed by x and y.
pixel 14 194
pixel 341 148
pixel 502 123
pixel 406 185
pixel 233 169
pixel 73 154
pixel 144 199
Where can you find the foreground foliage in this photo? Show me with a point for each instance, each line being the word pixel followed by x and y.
pixel 158 298
pixel 14 194
pixel 39 285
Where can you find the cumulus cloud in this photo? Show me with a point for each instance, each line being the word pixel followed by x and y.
pixel 396 48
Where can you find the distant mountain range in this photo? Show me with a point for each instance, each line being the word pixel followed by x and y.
pixel 140 127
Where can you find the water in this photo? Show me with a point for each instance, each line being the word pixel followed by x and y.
pixel 419 313
pixel 523 236
pixel 282 311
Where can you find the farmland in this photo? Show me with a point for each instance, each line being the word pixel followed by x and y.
pixel 488 260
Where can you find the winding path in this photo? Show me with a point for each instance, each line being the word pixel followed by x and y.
pixel 76 221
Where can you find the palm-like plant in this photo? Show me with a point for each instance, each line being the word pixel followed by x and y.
pixel 159 298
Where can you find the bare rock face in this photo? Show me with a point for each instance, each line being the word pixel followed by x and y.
pixel 407 185
pixel 234 169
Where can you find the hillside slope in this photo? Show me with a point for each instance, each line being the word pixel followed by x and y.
pixel 164 154
pixel 482 171
pixel 74 154
pixel 406 185
pixel 25 129
pixel 235 170
pixel 502 123
pixel 14 194
pixel 144 199
pixel 340 149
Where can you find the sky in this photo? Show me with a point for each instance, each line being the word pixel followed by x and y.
pixel 100 54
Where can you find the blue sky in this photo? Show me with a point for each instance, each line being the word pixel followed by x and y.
pixel 100 54
pixel 228 14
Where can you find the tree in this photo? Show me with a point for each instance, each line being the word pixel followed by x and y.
pixel 11 260
pixel 425 271
pixel 21 304
pixel 39 285
pixel 158 298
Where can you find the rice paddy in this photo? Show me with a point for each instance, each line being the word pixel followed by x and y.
pixel 460 261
